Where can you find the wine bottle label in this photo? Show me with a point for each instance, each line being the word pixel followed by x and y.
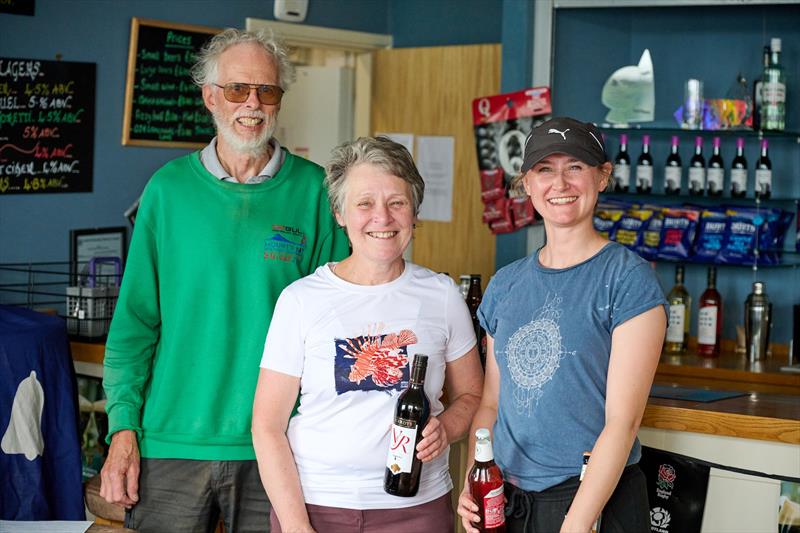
pixel 715 177
pixel 677 314
pixel 402 441
pixel 707 325
pixel 494 508
pixel 644 176
pixel 697 178
pixel 763 180
pixel 622 175
pixel 738 180
pixel 672 179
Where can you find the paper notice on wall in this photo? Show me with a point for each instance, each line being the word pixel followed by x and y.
pixel 406 139
pixel 435 157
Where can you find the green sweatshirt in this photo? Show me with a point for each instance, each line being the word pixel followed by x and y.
pixel 207 261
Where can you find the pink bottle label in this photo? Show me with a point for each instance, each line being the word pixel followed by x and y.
pixel 494 508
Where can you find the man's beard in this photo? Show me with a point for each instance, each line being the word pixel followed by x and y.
pixel 253 146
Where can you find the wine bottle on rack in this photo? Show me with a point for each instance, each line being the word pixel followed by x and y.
pixel 773 91
pixel 764 172
pixel 644 168
pixel 709 318
pixel 673 169
pixel 486 486
pixel 716 171
pixel 697 169
pixel 739 171
pixel 680 304
pixel 403 468
pixel 622 166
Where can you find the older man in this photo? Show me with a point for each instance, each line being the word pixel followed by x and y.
pixel 218 235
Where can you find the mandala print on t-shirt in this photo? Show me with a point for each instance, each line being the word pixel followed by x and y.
pixel 534 354
pixel 372 362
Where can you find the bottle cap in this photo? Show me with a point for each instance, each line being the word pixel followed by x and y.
pixel 482 434
pixel 775 44
pixel 698 141
pixel 740 142
pixel 623 139
pixel 645 139
pixel 758 287
pixel 716 142
pixel 675 140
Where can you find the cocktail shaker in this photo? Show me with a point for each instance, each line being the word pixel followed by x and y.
pixel 757 323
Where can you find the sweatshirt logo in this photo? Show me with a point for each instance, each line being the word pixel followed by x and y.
pixel 286 244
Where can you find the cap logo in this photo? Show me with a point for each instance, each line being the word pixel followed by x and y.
pixel 562 133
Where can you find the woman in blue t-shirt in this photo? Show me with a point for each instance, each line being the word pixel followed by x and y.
pixel 574 336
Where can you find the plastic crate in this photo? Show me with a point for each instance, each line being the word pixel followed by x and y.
pixel 90 308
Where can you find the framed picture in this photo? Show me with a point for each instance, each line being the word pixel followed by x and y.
pixel 86 244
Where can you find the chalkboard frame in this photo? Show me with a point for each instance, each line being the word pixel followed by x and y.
pixel 136 24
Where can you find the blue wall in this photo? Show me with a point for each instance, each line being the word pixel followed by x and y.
pixel 711 44
pixel 36 227
pixel 415 23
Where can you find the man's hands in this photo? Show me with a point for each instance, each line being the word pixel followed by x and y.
pixel 434 440
pixel 119 479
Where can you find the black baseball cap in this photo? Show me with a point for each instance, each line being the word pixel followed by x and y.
pixel 564 135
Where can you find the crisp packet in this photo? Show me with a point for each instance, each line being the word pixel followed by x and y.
pixel 741 236
pixel 710 235
pixel 630 232
pixel 606 222
pixel 651 235
pixel 677 233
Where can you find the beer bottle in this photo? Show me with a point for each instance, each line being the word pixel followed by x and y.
pixel 474 296
pixel 486 486
pixel 413 409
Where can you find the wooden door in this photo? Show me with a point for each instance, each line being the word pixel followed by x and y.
pixel 429 91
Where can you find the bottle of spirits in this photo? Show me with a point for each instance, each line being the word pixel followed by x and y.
pixel 679 306
pixel 709 318
pixel 773 91
pixel 757 93
pixel 474 297
pixel 622 166
pixel 644 168
pixel 697 169
pixel 413 409
pixel 739 171
pixel 764 172
pixel 673 169
pixel 716 171
pixel 486 486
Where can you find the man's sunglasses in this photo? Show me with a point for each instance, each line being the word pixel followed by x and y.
pixel 240 92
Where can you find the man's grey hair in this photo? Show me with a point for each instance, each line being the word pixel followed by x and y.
pixel 384 153
pixel 205 71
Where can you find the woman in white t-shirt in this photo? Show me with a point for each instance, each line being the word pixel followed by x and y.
pixel 344 338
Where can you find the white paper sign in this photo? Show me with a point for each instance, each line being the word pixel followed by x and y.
pixel 435 156
pixel 406 139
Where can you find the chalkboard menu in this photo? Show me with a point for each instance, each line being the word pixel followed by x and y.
pixel 46 126
pixel 163 107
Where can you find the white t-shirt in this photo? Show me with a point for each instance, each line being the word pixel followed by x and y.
pixel 352 348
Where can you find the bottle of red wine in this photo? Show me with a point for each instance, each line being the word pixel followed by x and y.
pixel 697 169
pixel 486 486
pixel 757 92
pixel 709 318
pixel 622 166
pixel 644 168
pixel 673 170
pixel 716 171
pixel 739 171
pixel 763 173
pixel 411 414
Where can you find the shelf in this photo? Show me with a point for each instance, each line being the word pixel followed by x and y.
pixel 788 259
pixel 675 130
pixel 657 196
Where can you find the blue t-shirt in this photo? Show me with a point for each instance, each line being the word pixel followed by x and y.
pixel 552 340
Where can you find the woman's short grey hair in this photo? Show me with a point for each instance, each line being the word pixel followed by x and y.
pixel 206 70
pixel 384 153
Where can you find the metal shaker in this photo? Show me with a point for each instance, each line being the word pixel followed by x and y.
pixel 757 323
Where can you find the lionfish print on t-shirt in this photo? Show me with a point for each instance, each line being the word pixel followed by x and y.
pixel 373 362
